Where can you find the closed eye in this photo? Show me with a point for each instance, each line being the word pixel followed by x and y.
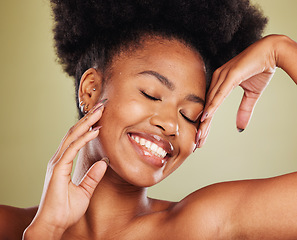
pixel 149 96
pixel 188 119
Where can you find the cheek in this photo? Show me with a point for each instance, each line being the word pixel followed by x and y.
pixel 125 114
pixel 124 107
pixel 187 140
pixel 119 116
pixel 133 111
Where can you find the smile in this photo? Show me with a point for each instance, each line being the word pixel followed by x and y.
pixel 150 146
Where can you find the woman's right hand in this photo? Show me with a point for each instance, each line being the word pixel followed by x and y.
pixel 252 70
pixel 63 203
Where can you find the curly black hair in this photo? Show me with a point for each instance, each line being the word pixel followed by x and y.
pixel 88 33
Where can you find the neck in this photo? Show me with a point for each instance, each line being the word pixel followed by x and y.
pixel 114 202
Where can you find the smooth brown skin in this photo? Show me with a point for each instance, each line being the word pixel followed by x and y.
pixel 118 208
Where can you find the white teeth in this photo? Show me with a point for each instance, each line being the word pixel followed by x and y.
pixel 152 147
pixel 142 142
pixel 148 144
pixel 160 151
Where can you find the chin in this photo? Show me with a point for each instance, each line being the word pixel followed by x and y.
pixel 139 177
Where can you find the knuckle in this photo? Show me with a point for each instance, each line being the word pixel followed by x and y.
pixel 235 73
pixel 220 92
pixel 211 105
pixel 217 72
pixel 71 130
pixel 51 167
pixel 210 94
pixel 71 145
pixel 219 97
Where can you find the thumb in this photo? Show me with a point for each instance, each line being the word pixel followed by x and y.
pixel 93 176
pixel 245 110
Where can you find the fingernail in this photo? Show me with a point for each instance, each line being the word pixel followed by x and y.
pixel 99 105
pixel 96 128
pixel 196 147
pixel 204 116
pixel 103 101
pixel 200 143
pixel 106 160
pixel 197 138
pixel 198 135
pixel 240 130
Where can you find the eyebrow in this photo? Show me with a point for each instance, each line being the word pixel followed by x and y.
pixel 195 98
pixel 165 81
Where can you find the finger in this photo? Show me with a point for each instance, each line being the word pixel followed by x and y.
pixel 245 110
pixel 81 127
pixel 205 128
pixel 84 124
pixel 201 142
pixel 219 74
pixel 65 163
pixel 216 97
pixel 93 177
pixel 217 79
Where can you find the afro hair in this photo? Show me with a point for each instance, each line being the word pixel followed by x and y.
pixel 88 32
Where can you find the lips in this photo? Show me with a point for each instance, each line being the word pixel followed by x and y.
pixel 153 148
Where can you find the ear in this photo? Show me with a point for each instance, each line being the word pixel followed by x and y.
pixel 90 89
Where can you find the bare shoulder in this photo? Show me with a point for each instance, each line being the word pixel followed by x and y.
pixel 249 209
pixel 13 221
pixel 208 213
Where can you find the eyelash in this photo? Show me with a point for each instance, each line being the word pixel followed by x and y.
pixel 188 119
pixel 149 96
pixel 157 99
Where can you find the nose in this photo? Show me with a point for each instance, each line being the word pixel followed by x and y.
pixel 167 121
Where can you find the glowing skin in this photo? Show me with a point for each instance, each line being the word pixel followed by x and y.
pixel 155 93
pixel 151 93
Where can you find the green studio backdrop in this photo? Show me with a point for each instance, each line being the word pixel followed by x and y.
pixel 38 107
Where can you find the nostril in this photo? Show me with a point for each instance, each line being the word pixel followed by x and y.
pixel 159 126
pixel 167 124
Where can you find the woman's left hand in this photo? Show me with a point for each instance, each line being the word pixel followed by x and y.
pixel 63 203
pixel 252 70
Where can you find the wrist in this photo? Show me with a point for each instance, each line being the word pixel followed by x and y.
pixel 38 231
pixel 286 56
pixel 282 45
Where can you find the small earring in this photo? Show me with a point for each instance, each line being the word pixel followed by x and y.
pixel 94 89
pixel 82 106
pixel 86 111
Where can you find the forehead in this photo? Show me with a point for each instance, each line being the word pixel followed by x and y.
pixel 171 58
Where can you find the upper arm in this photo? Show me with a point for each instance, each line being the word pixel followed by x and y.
pixel 207 212
pixel 13 221
pixel 268 209
pixel 250 209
